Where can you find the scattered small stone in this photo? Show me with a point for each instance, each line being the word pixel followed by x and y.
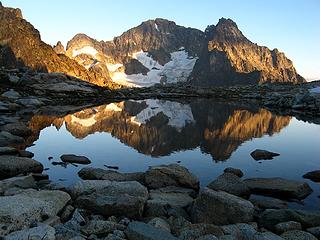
pixel 263 155
pixel 71 158
pixel 112 167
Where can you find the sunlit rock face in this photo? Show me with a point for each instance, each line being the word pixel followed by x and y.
pixel 157 51
pixel 159 128
pixel 229 58
pixel 21 46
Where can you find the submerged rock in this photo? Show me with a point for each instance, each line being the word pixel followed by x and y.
pixel 170 175
pixel 21 210
pixel 232 184
pixel 234 171
pixel 11 166
pixel 142 231
pixel 314 176
pixel 110 198
pixel 279 187
pixel 71 158
pixel 101 174
pixel 263 155
pixel 221 208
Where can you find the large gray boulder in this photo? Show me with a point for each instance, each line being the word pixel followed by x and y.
pixel 110 198
pixel 89 173
pixel 18 129
pixel 196 231
pixel 241 231
pixel 142 231
pixel 11 166
pixel 7 139
pixel 271 217
pixel 23 182
pixel 279 187
pixel 221 208
pixel 31 206
pixel 164 201
pixel 43 232
pixel 232 184
pixel 170 175
pixel 298 235
pixel 101 227
pixel 8 151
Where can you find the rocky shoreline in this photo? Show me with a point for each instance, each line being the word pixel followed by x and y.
pixel 165 202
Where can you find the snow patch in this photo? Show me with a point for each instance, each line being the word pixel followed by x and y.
pixel 146 60
pixel 85 50
pixel 156 26
pixel 88 122
pixel 315 90
pixel 179 115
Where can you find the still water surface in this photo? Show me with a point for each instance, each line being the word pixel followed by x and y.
pixel 202 135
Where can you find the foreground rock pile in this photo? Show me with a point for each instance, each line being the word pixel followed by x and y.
pixel 162 203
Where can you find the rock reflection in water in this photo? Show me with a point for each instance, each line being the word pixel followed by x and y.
pixel 159 128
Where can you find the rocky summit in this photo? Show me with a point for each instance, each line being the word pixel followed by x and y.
pixel 159 51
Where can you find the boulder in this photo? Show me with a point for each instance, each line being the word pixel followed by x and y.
pixel 287 226
pixel 164 201
pixel 101 174
pixel 27 154
pixel 297 235
pixel 235 171
pixel 18 129
pixel 43 232
pixel 170 175
pixel 71 158
pixel 313 176
pixel 279 187
pixel 11 94
pixel 266 236
pixel 29 207
pixel 8 151
pixel 232 184
pixel 11 166
pixel 142 231
pixel 101 228
pixel 23 182
pixel 272 217
pixel 160 223
pixel 271 203
pixel 195 231
pixel 7 139
pixel 240 231
pixel 259 154
pixel 221 208
pixel 315 231
pixel 110 198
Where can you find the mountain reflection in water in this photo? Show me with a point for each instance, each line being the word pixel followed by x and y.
pixel 159 127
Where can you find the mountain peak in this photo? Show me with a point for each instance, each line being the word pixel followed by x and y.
pixel 226 22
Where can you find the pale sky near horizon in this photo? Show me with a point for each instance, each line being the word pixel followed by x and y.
pixel 292 26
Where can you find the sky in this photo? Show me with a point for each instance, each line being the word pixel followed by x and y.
pixel 292 26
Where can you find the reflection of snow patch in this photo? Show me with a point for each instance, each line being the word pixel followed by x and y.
pixel 88 122
pixel 177 70
pixel 114 67
pixel 315 90
pixel 113 107
pixel 178 114
pixel 85 50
